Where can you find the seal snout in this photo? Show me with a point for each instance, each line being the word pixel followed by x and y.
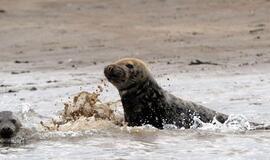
pixel 114 72
pixel 9 125
pixel 6 132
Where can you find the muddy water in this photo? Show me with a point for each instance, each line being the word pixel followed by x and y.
pixel 244 94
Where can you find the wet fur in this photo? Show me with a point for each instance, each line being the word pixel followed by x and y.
pixel 8 120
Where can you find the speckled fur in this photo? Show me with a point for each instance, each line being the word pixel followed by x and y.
pixel 8 120
pixel 146 102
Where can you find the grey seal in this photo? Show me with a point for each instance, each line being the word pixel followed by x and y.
pixel 145 102
pixel 9 125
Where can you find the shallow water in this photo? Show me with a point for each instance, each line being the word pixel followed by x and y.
pixel 229 93
pixel 176 144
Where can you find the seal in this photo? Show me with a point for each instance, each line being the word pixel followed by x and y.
pixel 9 125
pixel 145 102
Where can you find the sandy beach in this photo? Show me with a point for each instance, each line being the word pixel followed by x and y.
pixel 216 53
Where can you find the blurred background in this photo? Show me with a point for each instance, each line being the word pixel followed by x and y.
pixel 212 52
pixel 50 33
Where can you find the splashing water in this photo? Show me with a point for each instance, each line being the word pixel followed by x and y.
pixel 85 112
pixel 86 116
pixel 97 132
pixel 234 123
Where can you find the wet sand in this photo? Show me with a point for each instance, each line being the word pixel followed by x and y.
pixel 51 50
pixel 51 33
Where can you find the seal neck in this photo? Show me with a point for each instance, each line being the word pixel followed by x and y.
pixel 143 87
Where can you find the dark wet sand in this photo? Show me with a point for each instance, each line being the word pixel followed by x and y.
pixel 66 34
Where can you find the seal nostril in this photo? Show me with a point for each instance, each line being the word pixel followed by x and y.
pixel 109 69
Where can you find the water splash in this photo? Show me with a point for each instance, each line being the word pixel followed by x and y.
pixel 87 115
pixel 234 123
pixel 85 112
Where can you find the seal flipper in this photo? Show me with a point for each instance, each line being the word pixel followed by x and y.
pixel 192 109
pixel 257 126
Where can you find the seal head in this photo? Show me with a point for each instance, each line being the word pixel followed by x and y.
pixel 9 125
pixel 127 73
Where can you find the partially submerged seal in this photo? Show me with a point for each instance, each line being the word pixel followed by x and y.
pixel 9 125
pixel 145 102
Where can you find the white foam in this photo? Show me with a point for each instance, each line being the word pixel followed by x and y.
pixel 234 123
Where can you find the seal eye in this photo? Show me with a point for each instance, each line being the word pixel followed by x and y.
pixel 13 121
pixel 130 66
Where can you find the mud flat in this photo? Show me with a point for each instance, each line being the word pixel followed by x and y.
pixel 215 53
